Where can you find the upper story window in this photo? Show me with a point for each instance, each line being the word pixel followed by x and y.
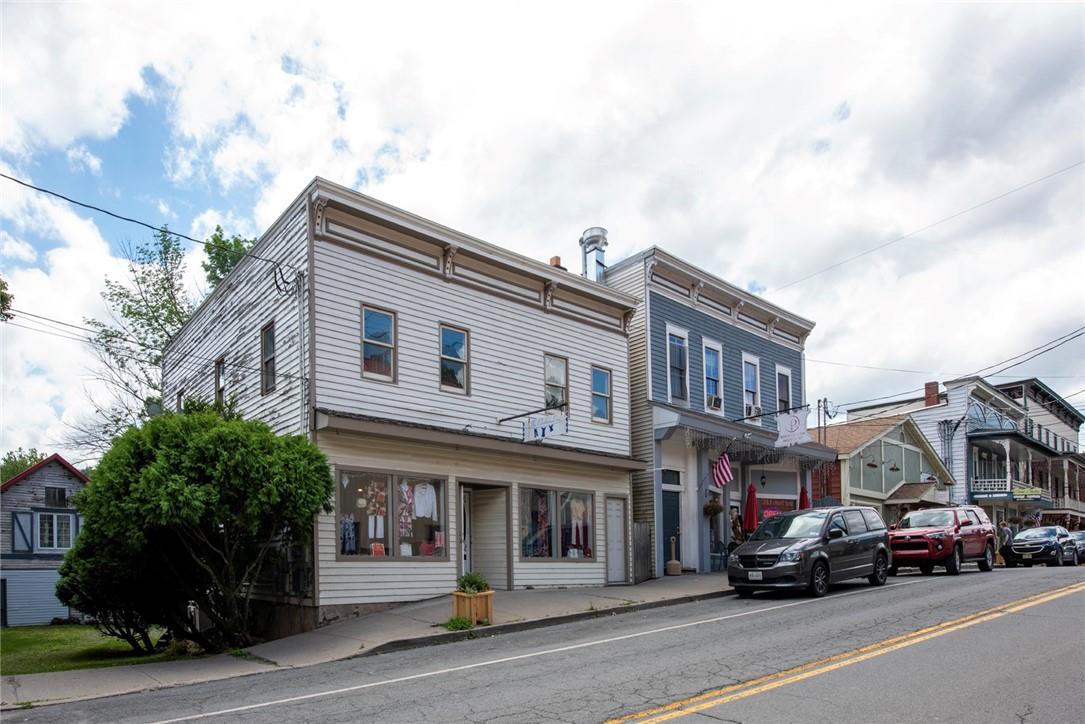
pixel 54 531
pixel 783 388
pixel 677 365
pixel 56 497
pixel 556 378
pixel 751 387
pixel 600 394
pixel 179 403
pixel 713 388
pixel 378 344
pixel 454 359
pixel 220 380
pixel 267 358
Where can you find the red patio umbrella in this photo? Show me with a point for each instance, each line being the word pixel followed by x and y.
pixel 749 515
pixel 804 499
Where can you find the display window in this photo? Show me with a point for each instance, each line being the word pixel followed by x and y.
pixel 556 524
pixel 381 515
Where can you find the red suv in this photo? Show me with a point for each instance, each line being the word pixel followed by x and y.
pixel 943 537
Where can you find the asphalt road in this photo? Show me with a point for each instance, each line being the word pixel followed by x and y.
pixel 914 650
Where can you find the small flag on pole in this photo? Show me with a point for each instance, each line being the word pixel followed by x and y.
pixel 721 471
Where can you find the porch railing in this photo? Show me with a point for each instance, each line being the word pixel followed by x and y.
pixel 1001 485
pixel 1068 503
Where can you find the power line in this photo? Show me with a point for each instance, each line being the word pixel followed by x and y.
pixel 931 225
pixel 129 219
pixel 928 372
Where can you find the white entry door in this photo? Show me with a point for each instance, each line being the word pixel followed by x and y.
pixel 616 545
pixel 465 495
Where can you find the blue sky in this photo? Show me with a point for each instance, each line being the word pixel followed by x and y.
pixel 760 145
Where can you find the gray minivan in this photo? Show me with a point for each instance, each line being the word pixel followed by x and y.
pixel 812 549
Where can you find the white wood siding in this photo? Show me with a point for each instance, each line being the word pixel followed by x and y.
pixel 228 324
pixel 31 597
pixel 927 419
pixel 26 495
pixel 507 343
pixel 373 581
pixel 489 536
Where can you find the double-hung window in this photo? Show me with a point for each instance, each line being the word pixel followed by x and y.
pixel 677 365
pixel 220 380
pixel 713 390
pixel 267 358
pixel 556 378
pixel 378 344
pixel 56 497
pixel 783 388
pixel 454 359
pixel 600 394
pixel 751 387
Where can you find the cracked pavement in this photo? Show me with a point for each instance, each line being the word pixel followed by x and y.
pixel 1023 667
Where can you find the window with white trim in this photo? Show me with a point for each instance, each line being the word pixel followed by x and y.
pixel 556 379
pixel 55 531
pixel 713 377
pixel 600 394
pixel 751 387
pixel 783 388
pixel 677 364
pixel 378 344
pixel 267 358
pixel 220 380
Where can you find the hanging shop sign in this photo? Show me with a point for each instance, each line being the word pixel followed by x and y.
pixel 545 427
pixel 791 427
pixel 1028 493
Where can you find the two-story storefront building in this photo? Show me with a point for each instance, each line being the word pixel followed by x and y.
pixel 473 402
pixel 710 366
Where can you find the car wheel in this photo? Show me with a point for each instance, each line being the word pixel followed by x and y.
pixel 1077 558
pixel 988 562
pixel 819 579
pixel 881 571
pixel 1057 560
pixel 892 570
pixel 926 568
pixel 953 563
pixel 743 591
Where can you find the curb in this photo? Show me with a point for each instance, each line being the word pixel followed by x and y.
pixel 516 626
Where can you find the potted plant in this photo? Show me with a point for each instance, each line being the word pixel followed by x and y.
pixel 473 599
pixel 713 507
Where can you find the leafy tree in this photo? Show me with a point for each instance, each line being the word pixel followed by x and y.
pixel 196 503
pixel 223 254
pixel 16 461
pixel 6 298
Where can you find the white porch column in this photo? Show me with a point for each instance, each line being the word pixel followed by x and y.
pixel 1009 465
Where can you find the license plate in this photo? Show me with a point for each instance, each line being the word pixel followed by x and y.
pixel 755 575
pixel 1026 556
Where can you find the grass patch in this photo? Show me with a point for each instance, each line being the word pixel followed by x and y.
pixel 37 649
pixel 458 623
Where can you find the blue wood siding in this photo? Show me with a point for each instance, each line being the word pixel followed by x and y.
pixel 735 341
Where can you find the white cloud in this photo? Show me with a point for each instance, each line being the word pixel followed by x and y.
pixel 716 131
pixel 164 209
pixel 12 248
pixel 203 225
pixel 81 159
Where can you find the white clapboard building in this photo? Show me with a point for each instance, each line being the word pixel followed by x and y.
pixel 474 402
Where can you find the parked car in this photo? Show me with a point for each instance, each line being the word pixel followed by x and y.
pixel 943 537
pixel 1079 541
pixel 1050 544
pixel 812 549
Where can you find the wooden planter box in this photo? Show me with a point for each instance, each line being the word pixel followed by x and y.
pixel 475 607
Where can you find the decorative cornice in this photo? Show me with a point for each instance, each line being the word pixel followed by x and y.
pixel 548 295
pixel 449 257
pixel 318 214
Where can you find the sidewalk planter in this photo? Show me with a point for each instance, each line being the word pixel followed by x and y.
pixel 475 607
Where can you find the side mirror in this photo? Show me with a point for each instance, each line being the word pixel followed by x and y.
pixel 835 533
pixel 892 526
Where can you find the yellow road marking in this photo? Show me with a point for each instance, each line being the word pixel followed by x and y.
pixel 716 697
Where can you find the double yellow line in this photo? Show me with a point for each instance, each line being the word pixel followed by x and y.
pixel 716 697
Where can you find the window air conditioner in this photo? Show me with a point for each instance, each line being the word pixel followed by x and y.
pixel 713 402
pixel 753 411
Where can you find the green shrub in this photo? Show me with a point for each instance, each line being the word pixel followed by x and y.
pixel 472 583
pixel 458 623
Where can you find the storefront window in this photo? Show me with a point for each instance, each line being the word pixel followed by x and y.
pixel 556 525
pixel 379 514
pixel 576 527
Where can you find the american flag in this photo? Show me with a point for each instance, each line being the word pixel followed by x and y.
pixel 721 472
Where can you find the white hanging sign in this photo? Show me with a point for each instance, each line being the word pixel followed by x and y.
pixel 544 427
pixel 791 427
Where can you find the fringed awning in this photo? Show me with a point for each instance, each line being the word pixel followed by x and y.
pixel 749 452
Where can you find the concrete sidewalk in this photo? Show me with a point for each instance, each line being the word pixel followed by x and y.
pixel 414 624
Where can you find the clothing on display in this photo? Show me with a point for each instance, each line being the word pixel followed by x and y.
pixel 576 528
pixel 406 509
pixel 348 535
pixel 536 524
pixel 425 501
